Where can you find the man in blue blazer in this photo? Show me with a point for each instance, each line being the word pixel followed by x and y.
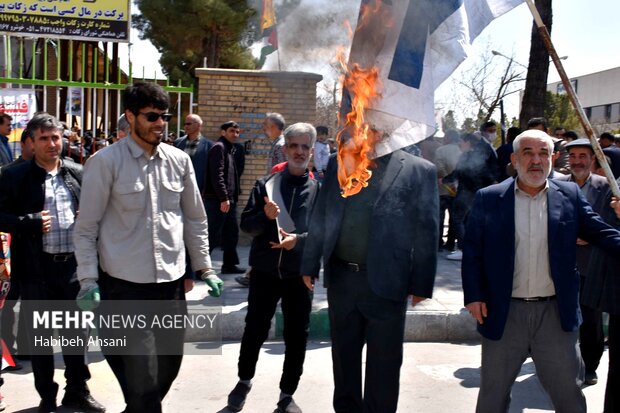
pixel 519 276
pixel 378 247
pixel 196 146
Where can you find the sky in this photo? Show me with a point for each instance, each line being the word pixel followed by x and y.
pixel 583 30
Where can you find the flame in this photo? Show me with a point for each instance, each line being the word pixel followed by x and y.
pixel 356 140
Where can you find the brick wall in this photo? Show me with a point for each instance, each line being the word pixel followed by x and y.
pixel 245 96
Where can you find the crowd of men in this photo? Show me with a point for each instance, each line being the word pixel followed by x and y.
pixel 534 225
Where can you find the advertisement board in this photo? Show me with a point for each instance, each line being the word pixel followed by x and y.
pixel 104 20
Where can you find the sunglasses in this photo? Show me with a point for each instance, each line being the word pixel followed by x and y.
pixel 153 116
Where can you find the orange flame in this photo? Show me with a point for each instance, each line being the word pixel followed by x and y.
pixel 356 140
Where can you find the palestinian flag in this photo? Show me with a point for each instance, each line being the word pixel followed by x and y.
pixel 268 29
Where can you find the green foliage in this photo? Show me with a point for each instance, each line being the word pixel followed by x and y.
pixel 187 31
pixel 560 112
pixel 469 125
pixel 448 121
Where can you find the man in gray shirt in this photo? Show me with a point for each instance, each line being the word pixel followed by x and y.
pixel 140 208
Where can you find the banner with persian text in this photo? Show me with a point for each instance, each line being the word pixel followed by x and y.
pixel 104 20
pixel 21 105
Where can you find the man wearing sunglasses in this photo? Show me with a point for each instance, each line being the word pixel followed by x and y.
pixel 141 211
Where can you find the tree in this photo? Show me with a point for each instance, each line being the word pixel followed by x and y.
pixel 560 112
pixel 533 103
pixel 486 92
pixel 448 121
pixel 327 106
pixel 469 125
pixel 191 30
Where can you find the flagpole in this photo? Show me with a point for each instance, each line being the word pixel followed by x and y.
pixel 574 99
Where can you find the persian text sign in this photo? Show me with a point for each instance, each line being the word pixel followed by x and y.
pixel 73 19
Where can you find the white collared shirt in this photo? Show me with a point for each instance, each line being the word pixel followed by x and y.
pixel 532 273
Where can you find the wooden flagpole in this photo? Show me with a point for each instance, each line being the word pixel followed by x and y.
pixel 585 123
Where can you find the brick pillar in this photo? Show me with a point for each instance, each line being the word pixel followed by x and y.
pixel 245 96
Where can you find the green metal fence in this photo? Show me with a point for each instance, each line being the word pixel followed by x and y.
pixel 55 67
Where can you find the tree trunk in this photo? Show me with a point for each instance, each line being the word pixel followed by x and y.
pixel 533 104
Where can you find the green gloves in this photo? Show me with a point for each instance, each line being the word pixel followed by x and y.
pixel 216 286
pixel 88 298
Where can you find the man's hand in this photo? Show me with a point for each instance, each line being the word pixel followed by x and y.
pixel 47 221
pixel 478 310
pixel 188 284
pixel 288 241
pixel 225 206
pixel 216 286
pixel 581 242
pixel 416 299
pixel 309 282
pixel 272 210
pixel 88 297
pixel 615 204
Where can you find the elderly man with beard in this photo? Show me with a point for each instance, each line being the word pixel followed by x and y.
pixel 140 211
pixel 594 188
pixel 519 276
pixel 277 216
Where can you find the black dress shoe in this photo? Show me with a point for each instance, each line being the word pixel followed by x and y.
pixel 47 406
pixel 287 405
pixel 591 378
pixel 233 270
pixel 236 398
pixel 83 401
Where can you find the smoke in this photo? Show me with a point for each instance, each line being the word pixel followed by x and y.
pixel 309 37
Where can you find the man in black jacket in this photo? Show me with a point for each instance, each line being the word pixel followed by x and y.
pixel 277 216
pixel 39 201
pixel 221 195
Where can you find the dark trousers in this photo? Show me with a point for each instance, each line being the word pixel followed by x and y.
pixel 612 401
pixel 266 289
pixel 445 204
pixel 358 316
pixel 145 376
pixel 462 204
pixel 591 336
pixel 58 283
pixel 223 231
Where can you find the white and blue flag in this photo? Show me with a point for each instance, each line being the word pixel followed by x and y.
pixel 416 45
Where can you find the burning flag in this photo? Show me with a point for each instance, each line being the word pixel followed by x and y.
pixel 268 29
pixel 413 45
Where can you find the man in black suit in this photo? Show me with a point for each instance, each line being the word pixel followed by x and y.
pixel 378 247
pixel 221 195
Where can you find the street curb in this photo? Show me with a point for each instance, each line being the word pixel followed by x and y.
pixel 435 326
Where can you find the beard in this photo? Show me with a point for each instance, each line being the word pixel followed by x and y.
pixel 145 134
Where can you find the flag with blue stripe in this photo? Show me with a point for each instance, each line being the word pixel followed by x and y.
pixel 416 45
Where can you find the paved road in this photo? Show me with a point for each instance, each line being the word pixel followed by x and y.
pixel 435 378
